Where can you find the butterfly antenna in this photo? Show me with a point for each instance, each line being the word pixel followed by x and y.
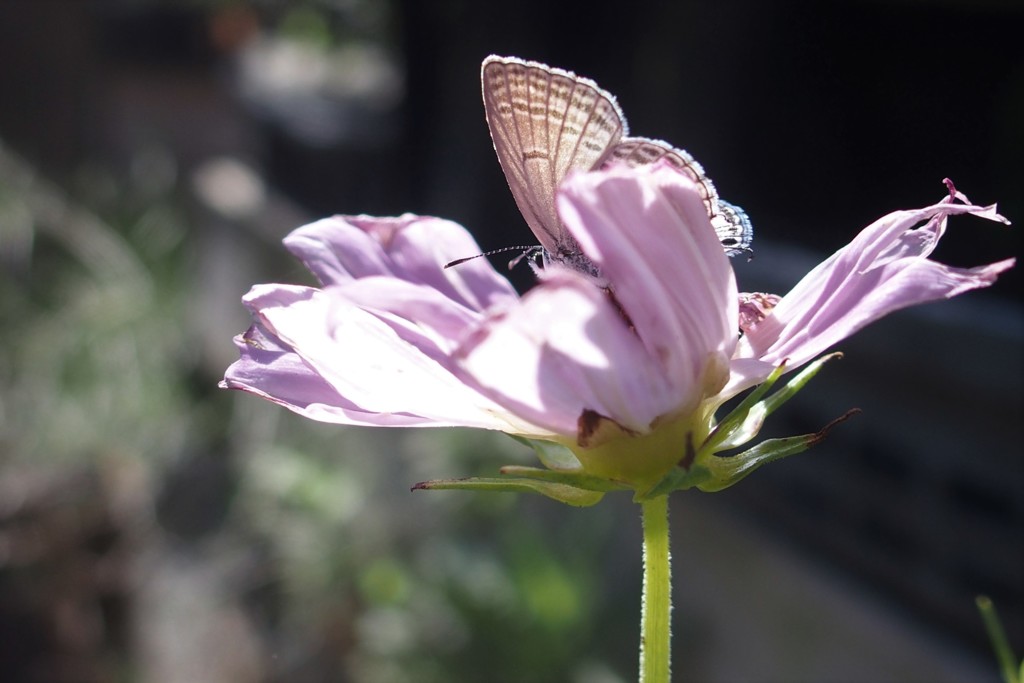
pixel 526 249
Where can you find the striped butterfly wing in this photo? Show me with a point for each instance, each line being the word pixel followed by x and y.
pixel 642 151
pixel 730 221
pixel 544 123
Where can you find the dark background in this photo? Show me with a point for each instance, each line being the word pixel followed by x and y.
pixel 147 122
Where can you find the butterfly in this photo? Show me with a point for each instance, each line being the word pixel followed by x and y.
pixel 546 122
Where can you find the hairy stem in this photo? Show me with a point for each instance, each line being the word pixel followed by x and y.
pixel 655 632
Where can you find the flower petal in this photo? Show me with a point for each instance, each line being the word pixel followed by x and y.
pixel 421 315
pixel 885 268
pixel 648 231
pixel 274 372
pixel 372 366
pixel 564 350
pixel 412 248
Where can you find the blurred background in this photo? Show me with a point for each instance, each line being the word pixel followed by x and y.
pixel 154 528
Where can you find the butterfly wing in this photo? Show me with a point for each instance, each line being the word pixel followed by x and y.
pixel 544 123
pixel 643 151
pixel 730 221
pixel 734 229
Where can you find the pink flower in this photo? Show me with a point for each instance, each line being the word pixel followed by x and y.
pixel 885 268
pixel 391 338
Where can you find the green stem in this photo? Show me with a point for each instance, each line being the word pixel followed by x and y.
pixel 655 632
pixel 999 642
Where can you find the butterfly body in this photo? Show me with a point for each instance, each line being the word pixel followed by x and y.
pixel 546 122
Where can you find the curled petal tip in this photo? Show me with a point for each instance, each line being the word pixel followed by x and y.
pixel 953 192
pixel 820 435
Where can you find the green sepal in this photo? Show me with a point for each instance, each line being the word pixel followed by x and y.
pixel 794 385
pixel 576 479
pixel 679 479
pixel 745 421
pixel 564 493
pixel 738 421
pixel 726 471
pixel 553 455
